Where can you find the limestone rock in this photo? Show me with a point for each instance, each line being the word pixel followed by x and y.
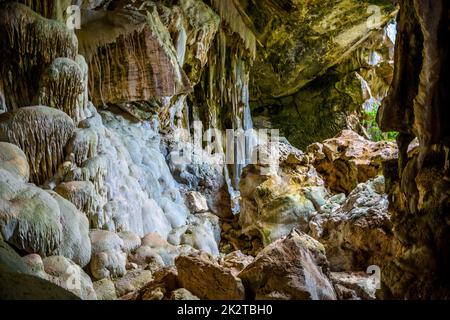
pixel 62 87
pixel 196 202
pixel 294 267
pixel 42 133
pixel 206 279
pixel 354 286
pixel 49 8
pixel 236 261
pixel 130 56
pixel 70 276
pixel 349 159
pixel 133 281
pixel 36 265
pixel 29 216
pixel 202 232
pixel 359 233
pixel 105 289
pixel 108 258
pixel 83 195
pixel 418 186
pixel 202 26
pixel 182 294
pixel 13 160
pixel 75 244
pixel 275 200
pixel 303 39
pixel 130 241
pixel 31 44
pixel 156 252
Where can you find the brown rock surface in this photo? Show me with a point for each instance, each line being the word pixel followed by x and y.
pixel 357 234
pixel 348 159
pixel 418 186
pixel 294 267
pixel 130 56
pixel 205 278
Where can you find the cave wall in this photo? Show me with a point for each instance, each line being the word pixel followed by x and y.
pixel 418 183
pixel 334 100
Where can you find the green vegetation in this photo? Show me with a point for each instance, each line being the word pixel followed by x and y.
pixel 370 123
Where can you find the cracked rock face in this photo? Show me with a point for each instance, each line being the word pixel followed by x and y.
pixel 357 234
pixel 302 39
pixel 274 202
pixel 348 159
pixel 206 279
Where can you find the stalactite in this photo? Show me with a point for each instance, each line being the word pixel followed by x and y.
pixel 27 51
pixel 231 15
pixel 42 133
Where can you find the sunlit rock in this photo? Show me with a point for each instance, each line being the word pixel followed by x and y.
pixel 349 159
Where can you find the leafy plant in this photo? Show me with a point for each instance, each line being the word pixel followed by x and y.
pixel 370 123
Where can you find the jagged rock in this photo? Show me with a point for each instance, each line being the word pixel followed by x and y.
pixel 303 39
pixel 108 258
pixel 130 241
pixel 105 289
pixel 332 101
pixel 165 281
pixel 65 273
pixel 204 176
pixel 202 25
pixel 62 87
pixel 196 202
pixel 236 261
pixel 294 267
pixel 359 233
pixel 31 43
pixel 418 186
pixel 42 133
pixel 130 56
pixel 275 201
pixel 205 278
pixel 29 216
pixel 349 159
pixel 354 286
pixel 182 294
pixel 75 243
pixel 133 281
pixel 13 160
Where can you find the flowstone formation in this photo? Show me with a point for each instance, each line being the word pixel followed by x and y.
pixel 110 190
